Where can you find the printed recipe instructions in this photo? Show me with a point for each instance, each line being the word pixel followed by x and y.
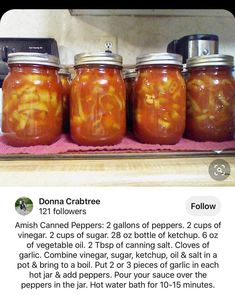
pixel 112 240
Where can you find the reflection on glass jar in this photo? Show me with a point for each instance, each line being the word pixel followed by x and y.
pixel 65 78
pixel 129 78
pixel 32 100
pixel 210 98
pixel 98 109
pixel 159 99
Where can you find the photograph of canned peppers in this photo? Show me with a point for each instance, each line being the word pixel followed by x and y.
pixel 32 106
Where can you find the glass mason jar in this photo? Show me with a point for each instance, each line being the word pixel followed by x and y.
pixel 210 98
pixel 65 78
pixel 129 78
pixel 98 109
pixel 32 100
pixel 159 99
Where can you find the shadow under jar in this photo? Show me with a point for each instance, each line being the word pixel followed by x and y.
pixel 98 100
pixel 210 98
pixel 159 99
pixel 32 100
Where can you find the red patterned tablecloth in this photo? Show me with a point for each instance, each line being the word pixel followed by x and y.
pixel 128 144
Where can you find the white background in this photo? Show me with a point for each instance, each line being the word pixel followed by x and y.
pixel 117 205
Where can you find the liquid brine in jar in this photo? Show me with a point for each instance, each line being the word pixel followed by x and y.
pixel 159 98
pixel 210 98
pixel 32 100
pixel 98 107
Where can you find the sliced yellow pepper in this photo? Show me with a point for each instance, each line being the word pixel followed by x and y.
pixel 32 106
pixel 28 97
pixel 84 78
pixel 22 89
pixel 138 117
pixel 111 90
pixel 162 100
pixel 112 98
pixel 157 104
pixel 54 99
pixel 116 126
pixel 175 106
pixel 22 122
pixel 28 112
pixel 76 120
pixel 80 110
pixel 196 82
pixel 222 98
pixel 164 123
pixel 30 89
pixel 58 110
pixel 173 87
pixel 149 99
pixel 10 102
pixel 96 123
pixel 195 106
pixel 143 75
pixel 225 81
pixel 44 96
pixel 176 95
pixel 16 115
pixel 146 89
pixel 107 121
pixel 36 77
pixel 201 117
pixel 211 102
pixel 175 115
pixel 97 89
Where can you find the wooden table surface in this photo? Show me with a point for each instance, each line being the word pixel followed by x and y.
pixel 185 171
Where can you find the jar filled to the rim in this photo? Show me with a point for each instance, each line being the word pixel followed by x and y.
pixel 98 107
pixel 129 78
pixel 32 100
pixel 210 98
pixel 159 98
pixel 65 78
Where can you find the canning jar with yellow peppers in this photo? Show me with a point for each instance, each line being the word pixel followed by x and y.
pixel 32 100
pixel 210 98
pixel 159 99
pixel 98 100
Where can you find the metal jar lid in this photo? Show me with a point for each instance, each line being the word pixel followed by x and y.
pixel 129 73
pixel 210 60
pixel 64 70
pixel 159 59
pixel 33 58
pixel 100 58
